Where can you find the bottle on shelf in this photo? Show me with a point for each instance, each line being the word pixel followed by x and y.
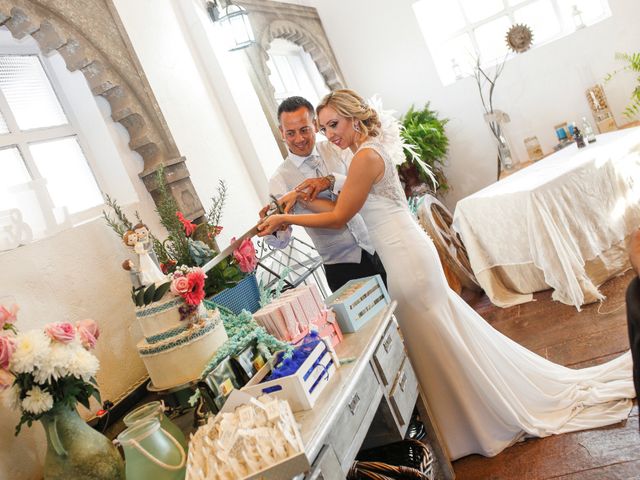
pixel 577 135
pixel 587 131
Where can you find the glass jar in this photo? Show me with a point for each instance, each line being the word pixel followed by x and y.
pixel 155 410
pixel 151 452
pixel 534 150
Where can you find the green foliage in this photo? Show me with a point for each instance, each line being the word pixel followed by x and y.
pixel 214 215
pixel 424 129
pixel 632 65
pixel 66 391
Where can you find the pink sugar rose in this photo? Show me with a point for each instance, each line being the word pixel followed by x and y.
pixel 179 286
pixel 8 315
pixel 7 347
pixel 245 255
pixel 62 332
pixel 6 380
pixel 89 332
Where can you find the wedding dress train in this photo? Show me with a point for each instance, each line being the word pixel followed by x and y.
pixel 486 391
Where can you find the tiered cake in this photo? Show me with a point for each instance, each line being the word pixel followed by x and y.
pixel 176 351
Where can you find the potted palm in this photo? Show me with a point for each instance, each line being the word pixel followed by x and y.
pixel 424 165
pixel 632 65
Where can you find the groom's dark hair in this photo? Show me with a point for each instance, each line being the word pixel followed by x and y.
pixel 292 104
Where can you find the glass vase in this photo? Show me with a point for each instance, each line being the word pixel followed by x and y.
pixel 75 450
pixel 155 410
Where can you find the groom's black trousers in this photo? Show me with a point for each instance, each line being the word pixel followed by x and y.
pixel 633 322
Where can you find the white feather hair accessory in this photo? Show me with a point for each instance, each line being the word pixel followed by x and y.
pixel 393 142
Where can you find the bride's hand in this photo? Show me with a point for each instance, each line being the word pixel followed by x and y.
pixel 288 200
pixel 270 224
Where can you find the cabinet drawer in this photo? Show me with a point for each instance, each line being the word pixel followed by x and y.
pixel 326 466
pixel 389 354
pixel 404 393
pixel 346 426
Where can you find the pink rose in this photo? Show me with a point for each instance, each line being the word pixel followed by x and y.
pixel 62 332
pixel 179 285
pixel 245 255
pixel 6 380
pixel 89 332
pixel 7 347
pixel 8 315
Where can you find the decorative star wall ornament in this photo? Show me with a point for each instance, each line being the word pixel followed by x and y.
pixel 519 38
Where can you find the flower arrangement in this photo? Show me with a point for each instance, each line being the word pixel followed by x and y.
pixel 187 246
pixel 44 370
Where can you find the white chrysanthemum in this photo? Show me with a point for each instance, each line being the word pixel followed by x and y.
pixel 56 363
pixel 83 364
pixel 11 397
pixel 31 348
pixel 37 401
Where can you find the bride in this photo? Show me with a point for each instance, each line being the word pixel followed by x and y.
pixel 486 391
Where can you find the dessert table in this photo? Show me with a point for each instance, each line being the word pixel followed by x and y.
pixel 561 223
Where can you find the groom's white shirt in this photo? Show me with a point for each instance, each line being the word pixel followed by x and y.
pixel 334 245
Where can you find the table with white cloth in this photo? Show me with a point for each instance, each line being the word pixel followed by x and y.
pixel 561 223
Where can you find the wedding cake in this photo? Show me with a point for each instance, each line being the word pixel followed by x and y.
pixel 176 351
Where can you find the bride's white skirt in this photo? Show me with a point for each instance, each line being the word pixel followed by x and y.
pixel 486 391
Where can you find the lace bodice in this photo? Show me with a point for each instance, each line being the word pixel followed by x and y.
pixel 389 186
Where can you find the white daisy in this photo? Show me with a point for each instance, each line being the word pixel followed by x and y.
pixel 31 348
pixel 37 401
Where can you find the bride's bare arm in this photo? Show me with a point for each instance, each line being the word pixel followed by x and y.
pixel 366 168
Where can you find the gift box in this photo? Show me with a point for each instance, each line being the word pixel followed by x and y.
pixel 358 301
pixel 328 327
pixel 217 444
pixel 302 388
pixel 247 363
pixel 218 385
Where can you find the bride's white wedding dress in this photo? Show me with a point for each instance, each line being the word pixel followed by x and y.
pixel 486 391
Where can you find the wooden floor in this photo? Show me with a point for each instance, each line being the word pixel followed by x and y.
pixel 577 339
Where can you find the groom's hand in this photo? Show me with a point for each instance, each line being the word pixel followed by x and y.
pixel 313 186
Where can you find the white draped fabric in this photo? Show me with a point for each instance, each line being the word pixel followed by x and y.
pixel 566 216
pixel 485 390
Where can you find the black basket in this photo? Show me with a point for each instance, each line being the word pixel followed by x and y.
pixel 408 459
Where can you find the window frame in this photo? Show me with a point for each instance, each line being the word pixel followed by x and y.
pixel 566 28
pixel 21 139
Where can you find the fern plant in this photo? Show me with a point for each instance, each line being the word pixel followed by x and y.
pixel 632 65
pixel 425 130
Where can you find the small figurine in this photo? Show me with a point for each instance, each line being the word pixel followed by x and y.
pixel 143 236
pixel 148 271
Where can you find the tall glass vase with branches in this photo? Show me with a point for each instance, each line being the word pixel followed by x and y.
pixel 486 82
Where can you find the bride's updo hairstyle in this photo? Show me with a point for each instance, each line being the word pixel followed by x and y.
pixel 349 104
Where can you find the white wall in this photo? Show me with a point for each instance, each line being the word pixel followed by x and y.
pixel 190 104
pixel 380 49
pixel 76 274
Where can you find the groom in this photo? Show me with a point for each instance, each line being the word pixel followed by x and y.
pixel 347 253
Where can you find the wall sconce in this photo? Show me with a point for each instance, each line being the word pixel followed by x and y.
pixel 577 17
pixel 234 21
pixel 455 68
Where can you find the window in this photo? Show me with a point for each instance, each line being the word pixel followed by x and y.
pixel 293 72
pixel 43 169
pixel 458 31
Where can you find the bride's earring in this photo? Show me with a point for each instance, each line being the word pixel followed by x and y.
pixel 356 127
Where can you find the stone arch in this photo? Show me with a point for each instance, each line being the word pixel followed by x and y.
pixel 92 40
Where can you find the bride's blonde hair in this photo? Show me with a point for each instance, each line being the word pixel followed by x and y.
pixel 349 104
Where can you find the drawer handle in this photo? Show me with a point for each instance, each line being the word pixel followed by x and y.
pixel 387 344
pixel 403 381
pixel 353 404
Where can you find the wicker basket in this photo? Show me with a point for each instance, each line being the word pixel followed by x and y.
pixel 408 459
pixel 244 296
